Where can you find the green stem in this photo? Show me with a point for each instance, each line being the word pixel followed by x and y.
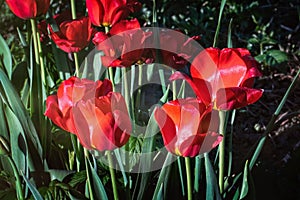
pixel 222 131
pixel 19 188
pixel 38 49
pixel 73 9
pixel 76 64
pixel 112 175
pixel 230 143
pixel 188 178
pixel 111 77
pixel 127 147
pixel 86 155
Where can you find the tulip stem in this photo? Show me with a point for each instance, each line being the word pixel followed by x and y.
pixel 188 177
pixel 38 49
pixel 222 131
pixel 112 175
pixel 111 77
pixel 73 9
pixel 73 12
pixel 76 64
pixel 89 185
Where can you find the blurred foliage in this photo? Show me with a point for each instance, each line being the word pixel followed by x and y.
pixel 269 29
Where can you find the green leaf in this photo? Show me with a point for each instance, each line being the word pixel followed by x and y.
pixel 229 39
pixel 97 184
pixel 275 57
pixel 18 144
pixel 11 98
pixel 212 186
pixel 247 191
pixel 147 158
pixel 181 176
pixel 223 2
pixel 35 193
pixel 19 75
pixel 163 178
pixel 5 57
pixel 59 175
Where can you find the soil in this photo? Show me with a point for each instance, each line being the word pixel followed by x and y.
pixel 277 172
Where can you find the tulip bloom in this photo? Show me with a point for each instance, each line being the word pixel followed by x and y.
pixel 176 49
pixel 187 127
pixel 59 106
pixel 73 35
pixel 91 111
pixel 109 12
pixel 27 9
pixel 123 45
pixel 102 123
pixel 224 78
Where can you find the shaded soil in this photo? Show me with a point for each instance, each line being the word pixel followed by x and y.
pixel 277 172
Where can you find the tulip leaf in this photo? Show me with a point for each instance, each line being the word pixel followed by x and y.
pixel 163 178
pixel 97 183
pixel 247 190
pixel 229 39
pixel 5 57
pixel 18 144
pixel 223 2
pixel 181 176
pixel 22 38
pixel 59 175
pixel 10 98
pixel 35 193
pixel 119 160
pixel 147 158
pixel 19 75
pixel 212 187
pixel 61 62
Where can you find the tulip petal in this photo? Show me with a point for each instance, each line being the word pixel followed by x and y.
pixel 201 87
pixel 167 128
pixel 237 97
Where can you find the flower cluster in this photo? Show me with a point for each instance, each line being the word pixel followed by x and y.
pixel 222 79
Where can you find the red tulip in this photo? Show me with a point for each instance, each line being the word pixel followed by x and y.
pixel 27 9
pixel 91 111
pixel 109 12
pixel 187 127
pixel 224 77
pixel 71 91
pixel 102 123
pixel 123 45
pixel 176 49
pixel 73 35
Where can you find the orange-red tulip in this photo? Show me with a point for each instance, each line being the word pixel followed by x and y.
pixel 187 127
